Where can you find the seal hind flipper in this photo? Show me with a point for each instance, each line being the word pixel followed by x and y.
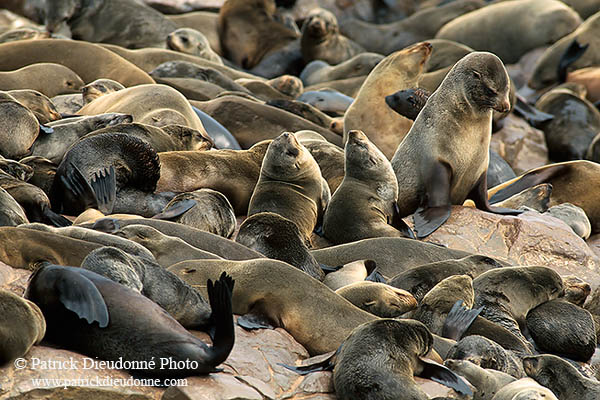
pixel 435 206
pixel 176 209
pixel 572 54
pixel 76 183
pixel 376 276
pixel 254 321
pixel 219 297
pixel 441 374
pixel 528 180
pixel 106 225
pixel 459 319
pixel 323 362
pixel 104 185
pixel 531 114
pixel 79 294
pixel 479 196
pixel 54 218
pixel 327 269
pixel 46 129
pixel 399 224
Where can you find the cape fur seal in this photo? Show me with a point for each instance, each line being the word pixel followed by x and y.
pixel 510 29
pixel 319 71
pixel 191 41
pixel 19 127
pixel 364 205
pixel 524 388
pixel 453 167
pixel 561 377
pixel 126 23
pixel 22 323
pixel 235 177
pixel 98 88
pixel 11 212
pixel 47 78
pixel 87 60
pixel 321 39
pixel 109 309
pixel 487 382
pixel 384 127
pixel 378 298
pixel 291 185
pixel 39 104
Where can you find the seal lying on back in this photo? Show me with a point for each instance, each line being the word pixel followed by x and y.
pixel 436 170
pixel 93 315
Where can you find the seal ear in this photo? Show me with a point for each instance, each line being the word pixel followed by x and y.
pixel 176 209
pixel 79 294
pixel 438 373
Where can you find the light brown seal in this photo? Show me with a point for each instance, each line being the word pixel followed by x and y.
pixel 99 87
pixel 378 298
pixel 291 185
pixel 19 128
pixel 435 170
pixel 47 78
pixel 22 323
pixel 364 205
pixel 384 127
pixel 88 60
pixel 524 389
pixel 191 41
pixel 39 104
pixel 486 381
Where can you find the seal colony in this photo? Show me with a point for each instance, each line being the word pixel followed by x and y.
pixel 289 164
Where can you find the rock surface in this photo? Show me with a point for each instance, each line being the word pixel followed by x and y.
pixel 522 146
pixel 529 239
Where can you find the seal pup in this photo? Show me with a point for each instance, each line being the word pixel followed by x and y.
pixel 176 297
pixel 235 177
pixel 308 112
pixel 16 169
pixel 378 298
pixel 291 185
pixel 191 41
pixel 321 39
pixel 419 280
pixel 203 209
pixel 329 157
pixel 19 127
pixel 99 87
pixel 11 212
pixel 561 377
pixel 521 289
pixel 524 388
pixel 43 172
pixel 430 182
pixel 68 131
pixel 22 323
pixel 47 78
pixel 250 29
pixel 576 123
pixel 278 238
pixel 166 250
pixel 536 23
pixel 573 216
pixel 109 309
pixel 562 328
pixel 39 104
pixel 319 71
pixel 364 205
pixel 126 23
pixel 92 61
pixel 380 358
pixel 408 102
pixel 202 21
pixel 384 127
pixel 327 100
pixel 487 382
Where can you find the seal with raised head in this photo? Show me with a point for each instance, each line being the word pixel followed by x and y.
pixel 486 381
pixel 561 377
pixel 364 205
pixel 191 41
pixel 384 127
pixel 88 313
pixel 291 185
pixel 436 170
pixel 321 39
pixel 22 325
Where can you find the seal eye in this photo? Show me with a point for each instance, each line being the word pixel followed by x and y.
pixel 184 39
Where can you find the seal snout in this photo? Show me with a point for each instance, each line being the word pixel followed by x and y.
pixel 503 106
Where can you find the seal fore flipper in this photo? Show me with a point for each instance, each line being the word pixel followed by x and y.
pixel 531 114
pixel 399 224
pixel 176 209
pixel 77 184
pixel 54 218
pixel 79 294
pixel 435 207
pixel 479 196
pixel 459 319
pixel 438 373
